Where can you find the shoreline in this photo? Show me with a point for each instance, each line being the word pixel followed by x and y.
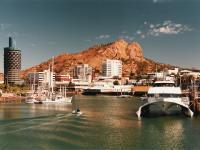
pixel 13 99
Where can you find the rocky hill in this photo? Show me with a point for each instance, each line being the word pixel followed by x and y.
pixel 131 55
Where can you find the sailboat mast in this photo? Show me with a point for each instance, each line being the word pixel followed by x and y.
pixel 65 91
pixel 34 81
pixel 49 85
pixel 51 74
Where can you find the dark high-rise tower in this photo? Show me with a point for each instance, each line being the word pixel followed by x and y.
pixel 12 64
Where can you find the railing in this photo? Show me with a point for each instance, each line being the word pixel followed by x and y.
pixel 184 100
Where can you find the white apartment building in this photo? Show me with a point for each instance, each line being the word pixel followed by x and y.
pixel 44 79
pixel 112 68
pixel 83 72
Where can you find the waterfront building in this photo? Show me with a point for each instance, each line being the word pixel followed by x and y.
pixel 62 81
pixel 189 73
pixel 78 85
pixel 62 78
pixel 45 79
pixel 158 75
pixel 83 72
pixel 173 71
pixel 195 74
pixel 12 64
pixel 112 68
pixel 185 72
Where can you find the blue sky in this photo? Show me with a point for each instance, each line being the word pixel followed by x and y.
pixel 168 30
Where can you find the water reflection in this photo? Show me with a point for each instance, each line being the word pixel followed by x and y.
pixel 106 123
pixel 55 107
pixel 14 111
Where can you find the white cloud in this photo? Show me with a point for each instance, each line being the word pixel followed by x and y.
pixel 155 1
pixel 143 36
pixel 33 44
pixel 138 32
pixel 103 36
pixel 151 26
pixel 157 25
pixel 88 40
pixel 178 25
pixel 51 43
pixel 13 34
pixel 160 1
pixel 167 27
pixel 124 32
pixel 127 37
pixel 4 26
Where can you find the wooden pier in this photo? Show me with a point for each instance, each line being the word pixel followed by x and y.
pixel 194 95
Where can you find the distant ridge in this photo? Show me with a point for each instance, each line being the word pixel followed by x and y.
pixel 131 55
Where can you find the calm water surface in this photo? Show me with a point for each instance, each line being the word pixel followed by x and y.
pixel 107 123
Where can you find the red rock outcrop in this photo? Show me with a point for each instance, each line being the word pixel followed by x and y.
pixel 131 55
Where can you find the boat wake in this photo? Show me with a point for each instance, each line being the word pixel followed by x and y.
pixel 33 123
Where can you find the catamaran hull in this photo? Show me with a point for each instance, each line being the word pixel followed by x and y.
pixel 164 105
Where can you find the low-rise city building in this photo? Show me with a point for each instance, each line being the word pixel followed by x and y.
pixel 173 71
pixel 63 78
pixel 44 79
pixel 83 72
pixel 189 73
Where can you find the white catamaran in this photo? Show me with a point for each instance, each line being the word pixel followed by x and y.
pixel 164 95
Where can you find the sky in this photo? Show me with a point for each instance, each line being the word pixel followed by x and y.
pixel 167 30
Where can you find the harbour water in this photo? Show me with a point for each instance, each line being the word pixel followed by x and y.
pixel 107 123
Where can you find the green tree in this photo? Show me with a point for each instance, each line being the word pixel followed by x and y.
pixel 116 82
pixel 71 84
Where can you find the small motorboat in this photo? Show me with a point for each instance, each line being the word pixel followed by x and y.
pixel 77 112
